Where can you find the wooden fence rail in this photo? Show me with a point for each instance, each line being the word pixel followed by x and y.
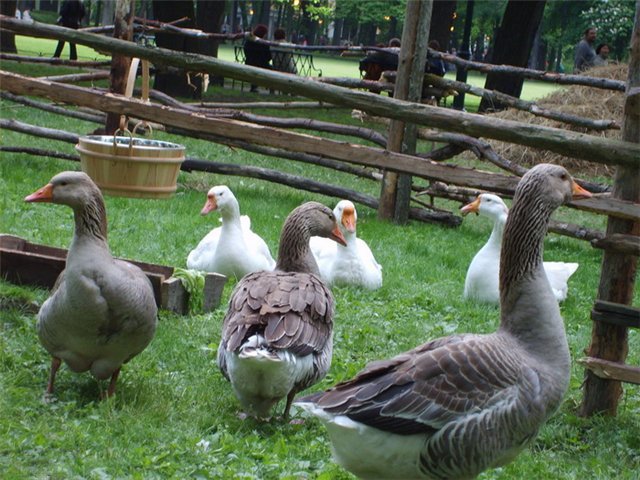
pixel 567 143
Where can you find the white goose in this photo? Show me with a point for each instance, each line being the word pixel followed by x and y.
pixel 102 311
pixel 459 405
pixel 277 335
pixel 231 249
pixel 353 264
pixel 481 283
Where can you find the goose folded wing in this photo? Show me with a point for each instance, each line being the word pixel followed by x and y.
pixel 422 390
pixel 293 311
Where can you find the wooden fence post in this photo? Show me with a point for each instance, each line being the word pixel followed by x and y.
pixel 617 278
pixel 396 188
pixel 123 29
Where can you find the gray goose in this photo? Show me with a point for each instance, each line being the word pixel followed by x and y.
pixel 278 330
pixel 102 311
pixel 459 405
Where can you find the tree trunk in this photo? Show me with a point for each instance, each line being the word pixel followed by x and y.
pixel 108 11
pixel 514 40
pixel 441 22
pixel 265 10
pixel 617 278
pixel 171 83
pixel 234 16
pixel 337 31
pixel 209 14
pixel 7 38
pixel 537 59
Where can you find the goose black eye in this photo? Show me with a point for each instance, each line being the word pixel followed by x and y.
pixel 563 176
pixel 63 184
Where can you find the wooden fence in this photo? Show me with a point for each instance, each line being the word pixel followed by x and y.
pixel 622 205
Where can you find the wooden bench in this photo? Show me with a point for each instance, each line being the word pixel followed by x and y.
pixel 302 61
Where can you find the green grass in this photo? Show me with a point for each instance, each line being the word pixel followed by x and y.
pixel 175 416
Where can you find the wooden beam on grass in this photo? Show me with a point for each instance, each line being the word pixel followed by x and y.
pixel 572 144
pixel 55 61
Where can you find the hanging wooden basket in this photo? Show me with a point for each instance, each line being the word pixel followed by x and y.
pixel 127 166
pixel 131 167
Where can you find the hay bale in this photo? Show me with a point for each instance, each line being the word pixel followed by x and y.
pixel 587 102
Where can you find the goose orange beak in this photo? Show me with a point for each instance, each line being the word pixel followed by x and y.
pixel 209 205
pixel 336 236
pixel 45 194
pixel 579 192
pixel 349 219
pixel 471 207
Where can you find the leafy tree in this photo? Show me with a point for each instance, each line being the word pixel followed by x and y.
pixel 369 15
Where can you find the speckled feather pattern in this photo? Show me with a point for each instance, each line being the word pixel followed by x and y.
pixel 458 405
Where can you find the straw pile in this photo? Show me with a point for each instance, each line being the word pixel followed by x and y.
pixel 587 102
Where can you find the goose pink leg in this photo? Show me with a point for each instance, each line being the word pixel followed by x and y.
pixel 111 391
pixel 55 365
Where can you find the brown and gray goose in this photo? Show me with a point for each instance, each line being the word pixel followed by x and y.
pixel 102 311
pixel 459 405
pixel 278 331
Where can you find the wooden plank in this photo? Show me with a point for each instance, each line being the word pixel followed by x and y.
pixel 608 370
pixel 23 268
pixel 624 209
pixel 619 243
pixel 213 288
pixel 174 296
pixel 11 242
pixel 26 263
pixel 616 313
pixel 573 144
pixel 233 130
pixel 617 277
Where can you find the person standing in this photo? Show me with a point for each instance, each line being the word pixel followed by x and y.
pixel 585 53
pixel 257 54
pixel 71 14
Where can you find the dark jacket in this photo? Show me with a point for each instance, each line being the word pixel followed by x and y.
pixel 257 54
pixel 71 13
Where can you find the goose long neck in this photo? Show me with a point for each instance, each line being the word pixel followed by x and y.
pixel 528 308
pixel 521 253
pixel 230 213
pixel 498 230
pixel 294 254
pixel 91 221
